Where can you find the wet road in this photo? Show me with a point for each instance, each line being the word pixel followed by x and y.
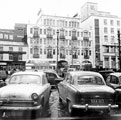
pixel 58 111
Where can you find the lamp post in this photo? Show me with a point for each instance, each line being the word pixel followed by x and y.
pixel 57 49
pixel 119 42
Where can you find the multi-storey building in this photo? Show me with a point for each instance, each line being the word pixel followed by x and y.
pixel 74 44
pixel 105 41
pixel 13 47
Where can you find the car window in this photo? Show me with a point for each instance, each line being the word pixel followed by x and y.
pixel 114 80
pixel 25 79
pixel 91 80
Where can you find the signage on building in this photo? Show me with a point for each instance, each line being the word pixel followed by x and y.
pixel 3 63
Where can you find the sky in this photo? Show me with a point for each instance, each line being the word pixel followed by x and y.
pixel 25 11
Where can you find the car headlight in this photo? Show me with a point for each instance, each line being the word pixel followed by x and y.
pixel 34 96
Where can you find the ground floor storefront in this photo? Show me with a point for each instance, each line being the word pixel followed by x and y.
pixel 9 65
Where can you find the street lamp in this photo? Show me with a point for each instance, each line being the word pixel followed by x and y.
pixel 57 48
pixel 119 42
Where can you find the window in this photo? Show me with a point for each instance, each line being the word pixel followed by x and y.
pixel 40 50
pixel 40 31
pixel 1 56
pixel 118 23
pixel 44 31
pixel 19 57
pixel 10 48
pixel 5 36
pixel 1 48
pixel 44 51
pixel 105 21
pixel 10 57
pixel 31 51
pixel 112 39
pixel 111 22
pixel 106 49
pixel 112 30
pixel 106 38
pixel 20 49
pixel 40 40
pixel 45 41
pixel 105 30
pixel 69 33
pixel 1 35
pixel 11 37
pixel 31 30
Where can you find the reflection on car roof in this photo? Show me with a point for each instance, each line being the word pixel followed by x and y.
pixel 84 73
pixel 29 72
pixel 116 73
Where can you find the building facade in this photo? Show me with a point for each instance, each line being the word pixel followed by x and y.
pixel 13 47
pixel 105 39
pixel 74 44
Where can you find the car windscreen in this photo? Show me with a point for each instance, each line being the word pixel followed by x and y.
pixel 90 80
pixel 25 79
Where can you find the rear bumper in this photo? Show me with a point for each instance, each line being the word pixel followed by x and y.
pixel 95 107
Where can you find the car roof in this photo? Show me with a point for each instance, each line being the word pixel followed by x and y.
pixel 40 73
pixel 84 73
pixel 116 74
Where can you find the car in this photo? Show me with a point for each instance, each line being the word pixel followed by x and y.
pixel 3 75
pixel 105 73
pixel 86 91
pixel 53 78
pixel 27 93
pixel 114 80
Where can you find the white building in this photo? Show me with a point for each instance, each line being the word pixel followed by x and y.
pixel 42 41
pixel 104 28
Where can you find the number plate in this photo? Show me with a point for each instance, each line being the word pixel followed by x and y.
pixel 97 101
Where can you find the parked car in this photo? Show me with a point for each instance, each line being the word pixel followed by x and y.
pixel 3 75
pixel 114 80
pixel 105 73
pixel 86 91
pixel 25 94
pixel 53 78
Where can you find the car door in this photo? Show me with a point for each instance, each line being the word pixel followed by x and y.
pixel 62 87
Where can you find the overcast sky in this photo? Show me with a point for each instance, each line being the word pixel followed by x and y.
pixel 25 11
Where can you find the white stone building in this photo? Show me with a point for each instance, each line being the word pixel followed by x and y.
pixel 72 38
pixel 104 28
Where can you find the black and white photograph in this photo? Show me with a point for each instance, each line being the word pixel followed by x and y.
pixel 60 60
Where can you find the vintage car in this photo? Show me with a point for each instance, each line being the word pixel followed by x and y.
pixel 86 91
pixel 53 78
pixel 114 80
pixel 25 94
pixel 105 73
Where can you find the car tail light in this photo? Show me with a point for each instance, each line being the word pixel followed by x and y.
pixel 34 96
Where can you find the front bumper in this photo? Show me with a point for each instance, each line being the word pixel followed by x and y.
pixel 20 108
pixel 95 107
